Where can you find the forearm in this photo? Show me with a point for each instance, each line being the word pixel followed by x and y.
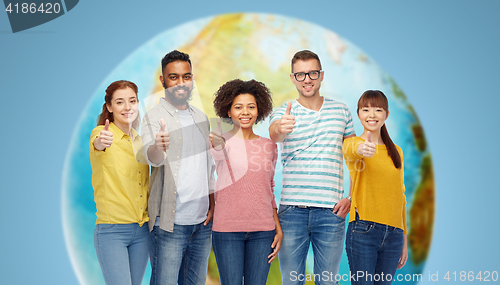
pixel 211 201
pixel 277 221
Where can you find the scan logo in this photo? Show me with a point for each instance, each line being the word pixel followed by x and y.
pixel 26 14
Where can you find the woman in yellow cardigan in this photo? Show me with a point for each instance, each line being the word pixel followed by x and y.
pixel 120 183
pixel 376 242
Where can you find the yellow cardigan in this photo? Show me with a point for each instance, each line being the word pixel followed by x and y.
pixel 378 191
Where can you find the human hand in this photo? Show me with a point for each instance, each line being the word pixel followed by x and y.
pixel 342 208
pixel 278 238
pixel 404 254
pixel 367 149
pixel 210 216
pixel 287 121
pixel 162 140
pixel 216 137
pixel 105 138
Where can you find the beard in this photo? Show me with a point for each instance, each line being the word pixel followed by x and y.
pixel 175 100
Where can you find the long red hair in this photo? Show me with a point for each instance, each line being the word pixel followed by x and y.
pixel 376 98
pixel 105 114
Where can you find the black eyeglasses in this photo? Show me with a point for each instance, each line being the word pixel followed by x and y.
pixel 301 76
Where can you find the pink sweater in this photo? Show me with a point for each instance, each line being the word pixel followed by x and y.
pixel 244 193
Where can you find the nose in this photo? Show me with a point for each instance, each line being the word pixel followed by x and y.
pixel 307 78
pixel 127 105
pixel 182 81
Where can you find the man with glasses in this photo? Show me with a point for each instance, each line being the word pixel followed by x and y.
pixel 312 208
pixel 174 134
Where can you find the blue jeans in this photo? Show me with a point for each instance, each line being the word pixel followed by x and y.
pixel 320 227
pixel 180 257
pixel 373 251
pixel 243 254
pixel 122 251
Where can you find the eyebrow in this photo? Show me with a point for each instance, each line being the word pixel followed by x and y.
pixel 188 73
pixel 135 97
pixel 243 103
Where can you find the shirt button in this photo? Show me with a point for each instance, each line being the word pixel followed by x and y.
pixel 139 172
pixel 128 139
pixel 141 196
pixel 175 174
pixel 141 208
pixel 139 183
pixel 180 138
pixel 173 211
pixel 177 157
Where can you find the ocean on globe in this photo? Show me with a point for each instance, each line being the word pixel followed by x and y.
pixel 260 47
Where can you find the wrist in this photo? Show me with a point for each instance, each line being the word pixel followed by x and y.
pixel 97 144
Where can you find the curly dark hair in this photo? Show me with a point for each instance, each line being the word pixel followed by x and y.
pixel 225 95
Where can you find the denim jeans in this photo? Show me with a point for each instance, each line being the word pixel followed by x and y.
pixel 122 251
pixel 180 257
pixel 243 256
pixel 373 251
pixel 321 228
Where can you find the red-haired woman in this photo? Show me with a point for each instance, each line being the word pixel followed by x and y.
pixel 120 185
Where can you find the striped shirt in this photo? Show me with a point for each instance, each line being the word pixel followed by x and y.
pixel 312 154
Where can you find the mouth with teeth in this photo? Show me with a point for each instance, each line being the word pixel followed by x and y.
pixel 128 115
pixel 181 90
pixel 372 122
pixel 245 120
pixel 308 87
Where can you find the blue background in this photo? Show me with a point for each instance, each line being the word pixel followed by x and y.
pixel 443 54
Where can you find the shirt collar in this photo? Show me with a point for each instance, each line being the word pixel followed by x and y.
pixel 119 132
pixel 171 109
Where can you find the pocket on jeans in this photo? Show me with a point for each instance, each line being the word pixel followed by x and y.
pixel 335 215
pixel 399 231
pixel 283 209
pixel 362 227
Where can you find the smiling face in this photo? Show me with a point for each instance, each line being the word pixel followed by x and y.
pixel 372 118
pixel 124 107
pixel 243 111
pixel 177 80
pixel 307 88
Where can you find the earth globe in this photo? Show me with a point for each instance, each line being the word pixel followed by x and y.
pixel 252 46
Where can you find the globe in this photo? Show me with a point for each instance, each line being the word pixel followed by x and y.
pixel 253 46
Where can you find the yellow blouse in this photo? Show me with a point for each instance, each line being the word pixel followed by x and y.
pixel 119 179
pixel 378 190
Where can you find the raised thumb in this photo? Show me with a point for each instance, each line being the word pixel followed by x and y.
pixel 106 125
pixel 162 124
pixel 288 108
pixel 368 136
pixel 219 126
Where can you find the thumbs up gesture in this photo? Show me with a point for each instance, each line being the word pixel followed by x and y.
pixel 216 138
pixel 105 138
pixel 287 121
pixel 368 148
pixel 162 140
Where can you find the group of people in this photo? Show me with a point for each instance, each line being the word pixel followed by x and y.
pixel 176 212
